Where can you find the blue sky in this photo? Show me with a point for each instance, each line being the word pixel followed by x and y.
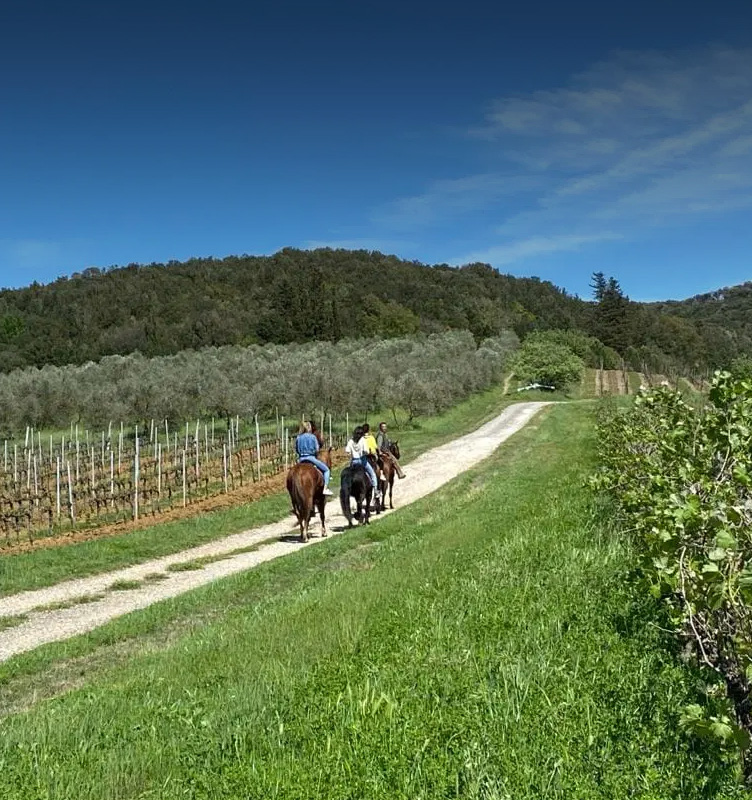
pixel 550 139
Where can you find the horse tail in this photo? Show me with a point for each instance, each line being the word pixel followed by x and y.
pixel 345 490
pixel 298 497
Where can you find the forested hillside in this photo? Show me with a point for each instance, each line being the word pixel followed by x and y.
pixel 729 308
pixel 296 296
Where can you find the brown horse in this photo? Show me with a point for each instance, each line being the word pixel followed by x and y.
pixel 387 475
pixel 305 483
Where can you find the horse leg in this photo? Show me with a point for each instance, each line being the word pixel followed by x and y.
pixel 344 501
pixel 391 487
pixel 321 502
pixel 378 507
pixel 304 522
pixel 299 514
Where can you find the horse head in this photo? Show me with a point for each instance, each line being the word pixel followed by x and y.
pixel 394 450
pixel 325 455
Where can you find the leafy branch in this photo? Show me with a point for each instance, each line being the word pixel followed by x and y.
pixel 680 477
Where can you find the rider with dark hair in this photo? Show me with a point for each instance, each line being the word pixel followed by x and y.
pixel 315 431
pixel 307 448
pixel 384 445
pixel 357 449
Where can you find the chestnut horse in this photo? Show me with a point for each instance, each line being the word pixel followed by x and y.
pixel 387 475
pixel 305 483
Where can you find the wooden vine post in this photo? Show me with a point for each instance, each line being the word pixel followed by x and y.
pixel 258 447
pixel 224 463
pixel 70 495
pixel 135 479
pixel 57 484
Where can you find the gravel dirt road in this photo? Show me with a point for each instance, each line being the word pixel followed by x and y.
pixel 424 475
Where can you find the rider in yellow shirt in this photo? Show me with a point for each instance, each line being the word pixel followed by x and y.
pixel 373 450
pixel 370 440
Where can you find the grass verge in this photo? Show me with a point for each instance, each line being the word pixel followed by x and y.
pixel 12 622
pixel 40 568
pixel 482 643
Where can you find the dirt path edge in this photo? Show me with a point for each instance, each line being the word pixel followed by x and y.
pixel 424 475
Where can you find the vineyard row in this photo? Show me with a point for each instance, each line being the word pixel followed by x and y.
pixel 78 485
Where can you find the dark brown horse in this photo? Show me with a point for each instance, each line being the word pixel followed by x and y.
pixel 305 483
pixel 388 472
pixel 354 482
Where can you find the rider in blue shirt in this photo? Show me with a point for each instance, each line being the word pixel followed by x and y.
pixel 307 446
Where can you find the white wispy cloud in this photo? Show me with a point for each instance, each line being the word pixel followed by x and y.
pixel 447 199
pixel 637 141
pixel 541 245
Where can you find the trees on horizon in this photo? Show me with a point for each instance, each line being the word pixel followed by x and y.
pixel 296 296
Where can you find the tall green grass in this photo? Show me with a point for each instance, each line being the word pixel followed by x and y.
pixel 482 643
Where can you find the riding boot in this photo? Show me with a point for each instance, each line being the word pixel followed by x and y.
pixel 397 467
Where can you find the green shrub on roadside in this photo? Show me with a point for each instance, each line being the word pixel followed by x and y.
pixel 541 361
pixel 682 480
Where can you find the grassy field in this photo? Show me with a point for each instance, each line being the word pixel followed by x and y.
pixel 483 643
pixel 44 567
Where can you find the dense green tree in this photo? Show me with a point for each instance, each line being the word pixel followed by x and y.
pixel 613 315
pixel 598 285
pixel 742 367
pixel 545 362
pixel 591 350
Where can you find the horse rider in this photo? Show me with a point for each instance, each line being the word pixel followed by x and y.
pixel 373 450
pixel 307 448
pixel 357 449
pixel 315 431
pixel 384 444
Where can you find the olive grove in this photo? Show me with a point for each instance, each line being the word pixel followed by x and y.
pixel 417 375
